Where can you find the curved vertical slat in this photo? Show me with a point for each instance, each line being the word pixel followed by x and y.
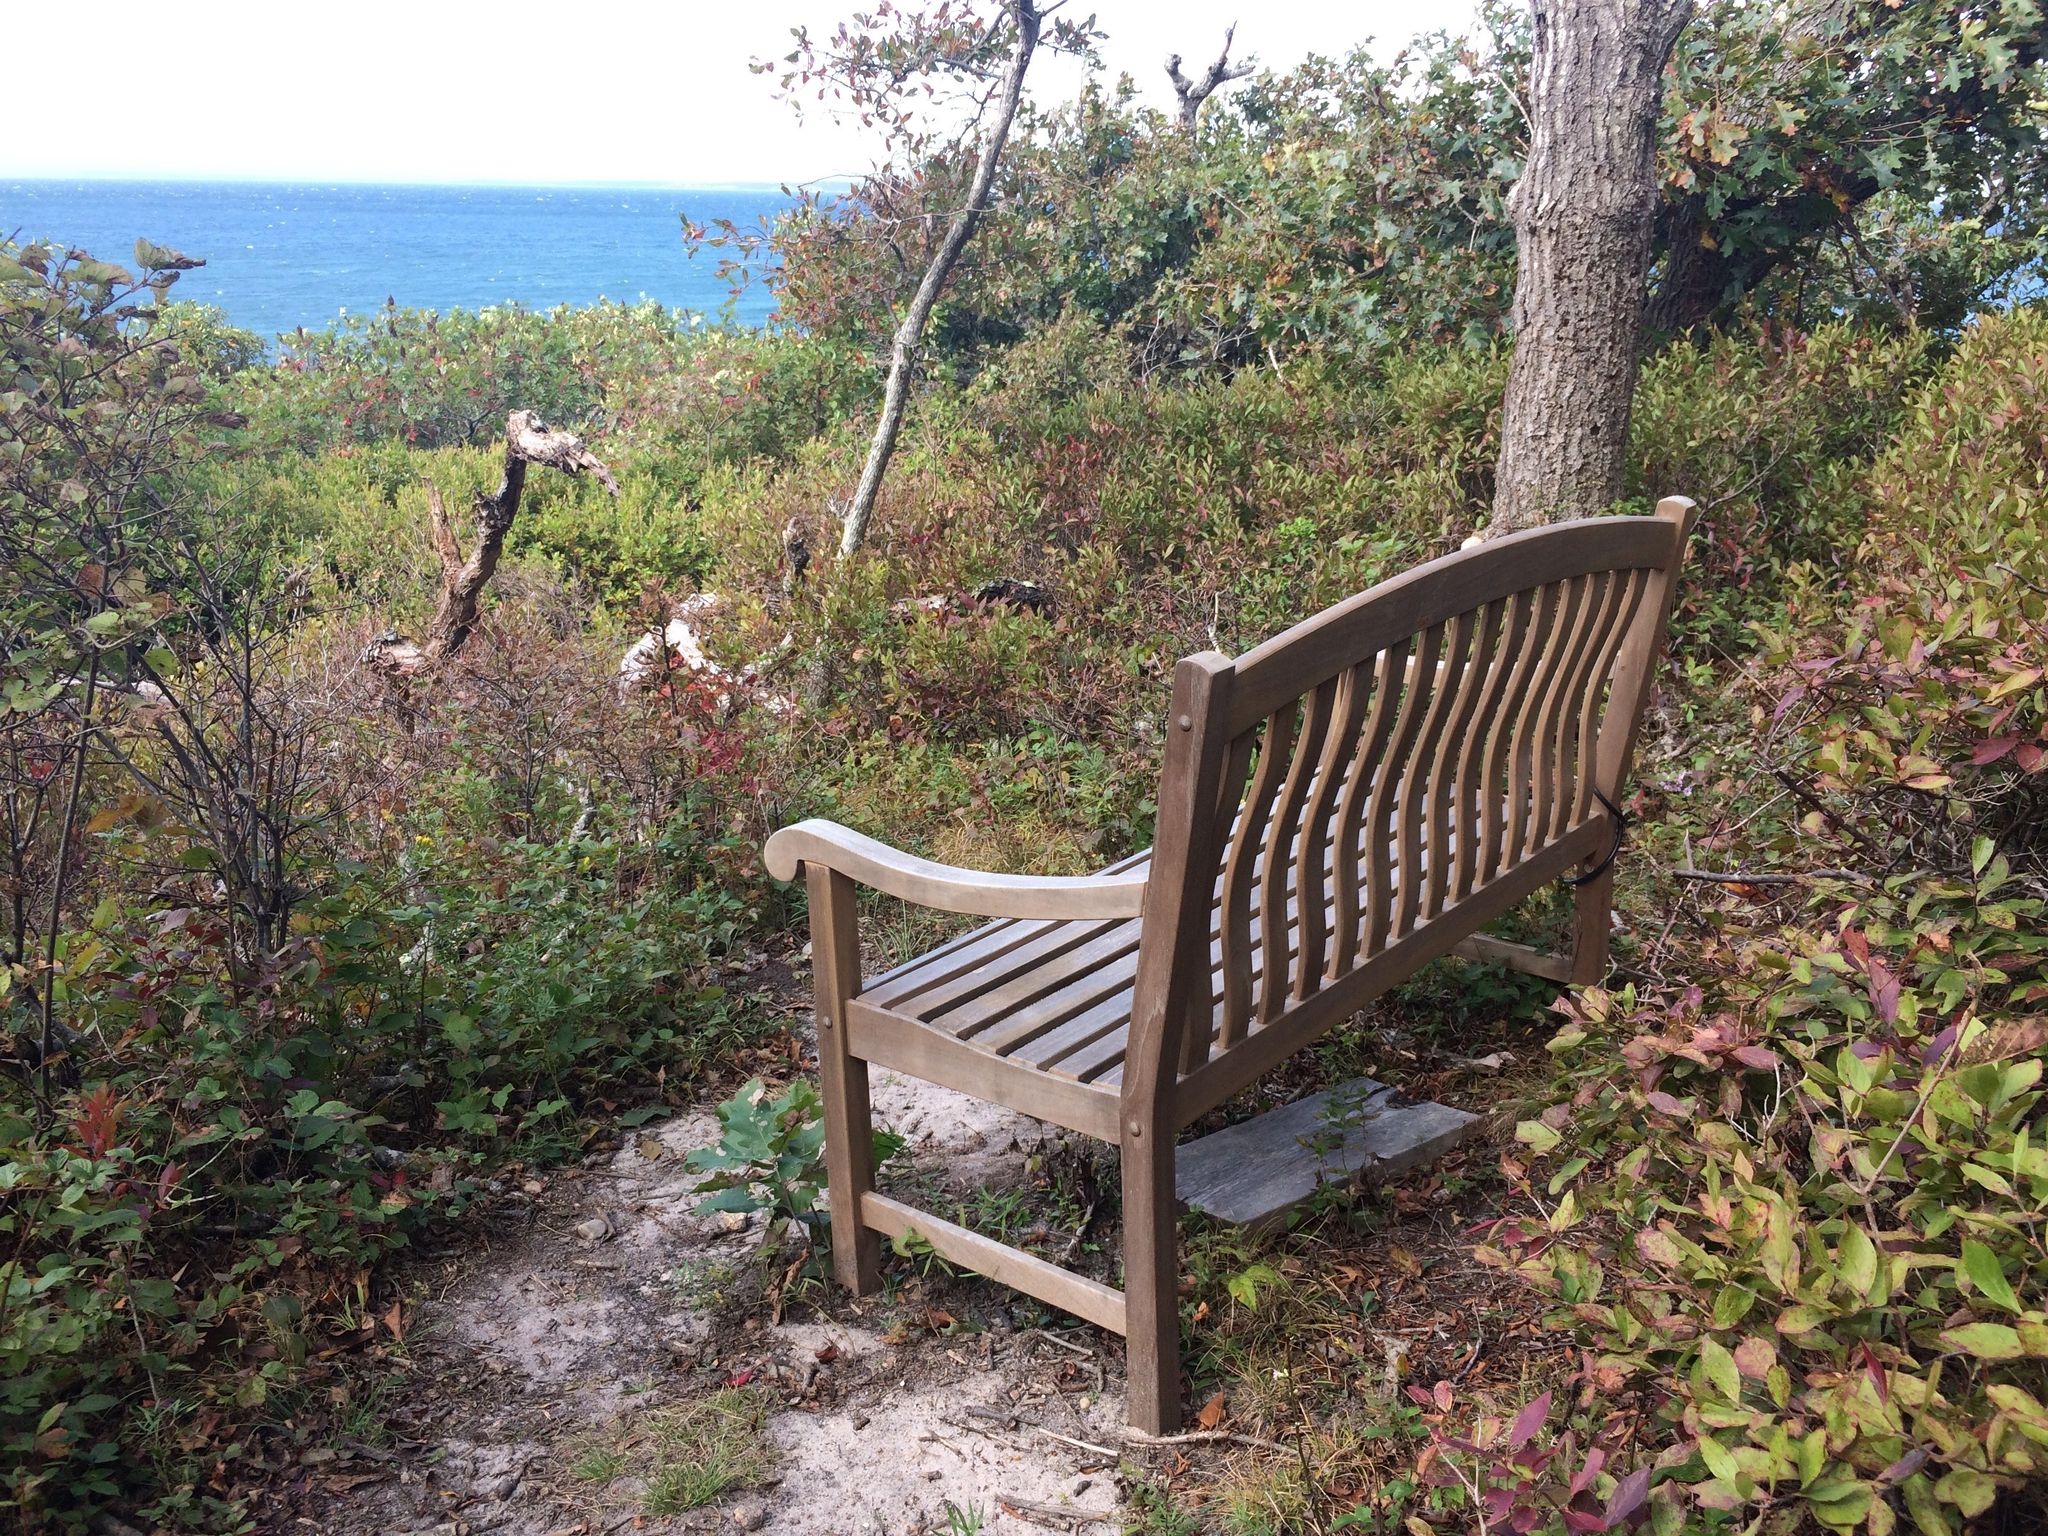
pixel 1598 697
pixel 1241 872
pixel 1447 829
pixel 1280 836
pixel 1365 770
pixel 1415 696
pixel 1523 791
pixel 1478 808
pixel 1422 856
pixel 1558 700
pixel 1498 785
pixel 1339 763
pixel 1582 690
pixel 1233 811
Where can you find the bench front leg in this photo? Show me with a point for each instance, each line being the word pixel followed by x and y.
pixel 842 1080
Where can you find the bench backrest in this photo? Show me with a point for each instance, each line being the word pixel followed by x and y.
pixel 1354 796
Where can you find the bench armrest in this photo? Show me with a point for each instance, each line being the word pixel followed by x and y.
pixel 946 887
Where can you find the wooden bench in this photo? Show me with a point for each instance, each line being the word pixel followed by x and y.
pixel 1338 807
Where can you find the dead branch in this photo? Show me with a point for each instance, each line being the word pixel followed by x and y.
pixel 1754 877
pixel 1207 1437
pixel 1193 93
pixel 528 440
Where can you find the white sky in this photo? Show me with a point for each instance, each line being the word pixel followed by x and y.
pixel 461 91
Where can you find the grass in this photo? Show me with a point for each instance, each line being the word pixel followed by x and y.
pixel 705 1448
pixel 600 1465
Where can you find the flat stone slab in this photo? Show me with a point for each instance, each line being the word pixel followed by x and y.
pixel 1249 1173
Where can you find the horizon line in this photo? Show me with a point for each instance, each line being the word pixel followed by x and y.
pixel 184 180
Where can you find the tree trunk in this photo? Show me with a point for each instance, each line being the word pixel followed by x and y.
pixel 528 440
pixel 1583 213
pixel 903 354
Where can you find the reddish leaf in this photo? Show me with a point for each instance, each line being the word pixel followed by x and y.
pixel 1630 1494
pixel 1991 749
pixel 1857 947
pixel 1884 991
pixel 2030 757
pixel 1212 1412
pixel 1583 1478
pixel 1528 1421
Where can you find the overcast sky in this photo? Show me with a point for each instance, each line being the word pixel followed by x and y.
pixel 460 91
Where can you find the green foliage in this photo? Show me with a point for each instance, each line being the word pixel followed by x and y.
pixel 1801 1229
pixel 1870 160
pixel 770 1154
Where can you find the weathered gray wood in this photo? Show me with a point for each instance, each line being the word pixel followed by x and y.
pixel 1250 1173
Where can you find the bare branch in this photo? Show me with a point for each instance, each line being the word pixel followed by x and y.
pixel 1193 93
pixel 528 440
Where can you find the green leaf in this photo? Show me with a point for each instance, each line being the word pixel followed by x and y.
pixel 1986 1341
pixel 1985 1273
pixel 1719 1461
pixel 1719 1367
pixel 1732 1304
pixel 1969 1490
pixel 1857 1258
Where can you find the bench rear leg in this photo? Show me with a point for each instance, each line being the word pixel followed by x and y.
pixel 1151 1283
pixel 1592 927
pixel 843 1081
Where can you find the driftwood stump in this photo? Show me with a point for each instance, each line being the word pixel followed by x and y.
pixel 528 440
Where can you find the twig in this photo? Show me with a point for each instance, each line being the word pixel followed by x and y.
pixel 1205 1437
pixel 1751 877
pixel 1052 1514
pixel 1080 1445
pixel 1039 1333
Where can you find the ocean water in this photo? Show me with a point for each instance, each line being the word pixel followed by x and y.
pixel 278 257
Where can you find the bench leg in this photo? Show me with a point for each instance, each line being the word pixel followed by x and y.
pixel 1592 926
pixel 843 1081
pixel 1151 1283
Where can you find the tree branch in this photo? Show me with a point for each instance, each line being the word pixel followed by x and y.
pixel 1193 93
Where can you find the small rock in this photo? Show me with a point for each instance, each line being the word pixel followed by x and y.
pixel 505 1487
pixel 932 1476
pixel 750 1516
pixel 533 1186
pixel 860 1421
pixel 1082 1485
pixel 594 1229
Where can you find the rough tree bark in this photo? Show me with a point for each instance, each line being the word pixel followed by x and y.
pixel 528 440
pixel 1584 213
pixel 1193 93
pixel 903 353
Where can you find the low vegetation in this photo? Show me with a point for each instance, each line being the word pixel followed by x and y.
pixel 301 952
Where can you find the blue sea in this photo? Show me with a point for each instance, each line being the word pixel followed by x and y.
pixel 278 257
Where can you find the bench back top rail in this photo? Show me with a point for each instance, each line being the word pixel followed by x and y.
pixel 1358 777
